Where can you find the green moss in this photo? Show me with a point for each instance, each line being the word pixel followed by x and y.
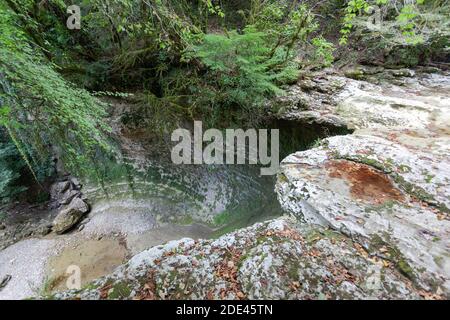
pixel 317 234
pixel 229 222
pixel 261 239
pixel 282 178
pixel 316 144
pixel 394 255
pixel 404 168
pixel 429 178
pixel 419 193
pixel 357 74
pixel 436 239
pixel 439 261
pixel 242 215
pixel 185 220
pixel 242 258
pixel 405 269
pixel 47 288
pixel 90 286
pixel 386 167
pixel 386 206
pixel 222 218
pixel 293 271
pixel 120 290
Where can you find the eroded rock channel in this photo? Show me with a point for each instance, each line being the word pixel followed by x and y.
pixel 144 201
pixel 364 190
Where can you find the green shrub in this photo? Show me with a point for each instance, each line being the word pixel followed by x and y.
pixel 10 167
pixel 244 69
pixel 39 109
pixel 240 70
pixel 15 176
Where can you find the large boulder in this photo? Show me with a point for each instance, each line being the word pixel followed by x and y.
pixel 387 186
pixel 279 259
pixel 382 100
pixel 392 201
pixel 68 196
pixel 63 192
pixel 58 189
pixel 69 216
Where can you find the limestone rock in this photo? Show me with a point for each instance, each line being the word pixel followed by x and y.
pixel 313 100
pixel 58 188
pixel 370 211
pixel 387 186
pixel 377 192
pixel 380 100
pixel 356 73
pixel 43 229
pixel 403 73
pixel 68 196
pixel 70 216
pixel 278 259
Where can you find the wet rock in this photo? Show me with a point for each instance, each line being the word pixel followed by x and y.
pixel 371 189
pixel 70 216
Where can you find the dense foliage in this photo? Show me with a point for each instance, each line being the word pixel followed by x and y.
pixel 242 69
pixel 40 111
pixel 15 176
pixel 219 61
pixel 10 170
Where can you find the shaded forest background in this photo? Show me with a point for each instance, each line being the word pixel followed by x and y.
pixel 177 60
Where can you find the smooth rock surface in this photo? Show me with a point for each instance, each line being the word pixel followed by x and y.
pixel 388 185
pixel 70 216
pixel 340 185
